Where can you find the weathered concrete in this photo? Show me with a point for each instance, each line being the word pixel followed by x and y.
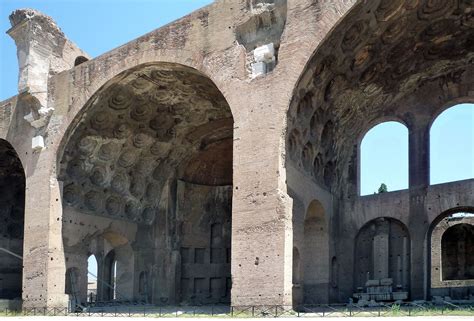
pixel 169 157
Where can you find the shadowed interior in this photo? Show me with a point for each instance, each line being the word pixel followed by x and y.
pixel 150 158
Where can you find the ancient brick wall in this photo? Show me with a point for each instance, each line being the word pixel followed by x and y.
pixel 268 99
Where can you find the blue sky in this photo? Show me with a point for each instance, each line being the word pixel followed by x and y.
pixel 452 145
pixel 384 151
pixel 384 147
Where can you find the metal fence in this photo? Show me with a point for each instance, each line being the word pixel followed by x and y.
pixel 258 311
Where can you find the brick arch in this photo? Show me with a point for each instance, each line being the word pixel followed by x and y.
pixel 382 251
pixel 457 257
pixel 88 93
pixel 437 284
pixel 152 150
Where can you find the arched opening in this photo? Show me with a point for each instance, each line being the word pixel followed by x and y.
pixel 457 252
pixel 315 255
pixel 12 208
pixel 79 60
pixel 382 261
pixel 92 273
pixel 452 145
pixel 384 159
pixel 451 246
pixel 150 157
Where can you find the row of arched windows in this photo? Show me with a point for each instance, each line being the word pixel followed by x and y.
pixel 384 152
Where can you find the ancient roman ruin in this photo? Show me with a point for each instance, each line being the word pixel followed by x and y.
pixel 216 160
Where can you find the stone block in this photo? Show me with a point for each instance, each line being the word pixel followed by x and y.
pixel 372 283
pixel 258 69
pixel 264 53
pixel 386 281
pixel 37 143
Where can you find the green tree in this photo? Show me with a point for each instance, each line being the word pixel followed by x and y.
pixel 383 188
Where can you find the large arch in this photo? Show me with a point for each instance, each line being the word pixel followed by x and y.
pixel 12 209
pixel 150 155
pixel 369 68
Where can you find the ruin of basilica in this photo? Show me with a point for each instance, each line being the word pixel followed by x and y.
pixel 216 160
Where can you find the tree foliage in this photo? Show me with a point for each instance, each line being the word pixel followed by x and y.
pixel 383 188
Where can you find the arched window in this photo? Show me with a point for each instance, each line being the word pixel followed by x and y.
pixel 457 252
pixel 452 145
pixel 384 159
pixel 79 60
pixel 91 278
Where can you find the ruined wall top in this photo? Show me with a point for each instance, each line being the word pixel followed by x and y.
pixel 22 15
pixel 42 50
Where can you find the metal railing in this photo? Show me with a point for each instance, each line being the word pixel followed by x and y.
pixel 258 311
